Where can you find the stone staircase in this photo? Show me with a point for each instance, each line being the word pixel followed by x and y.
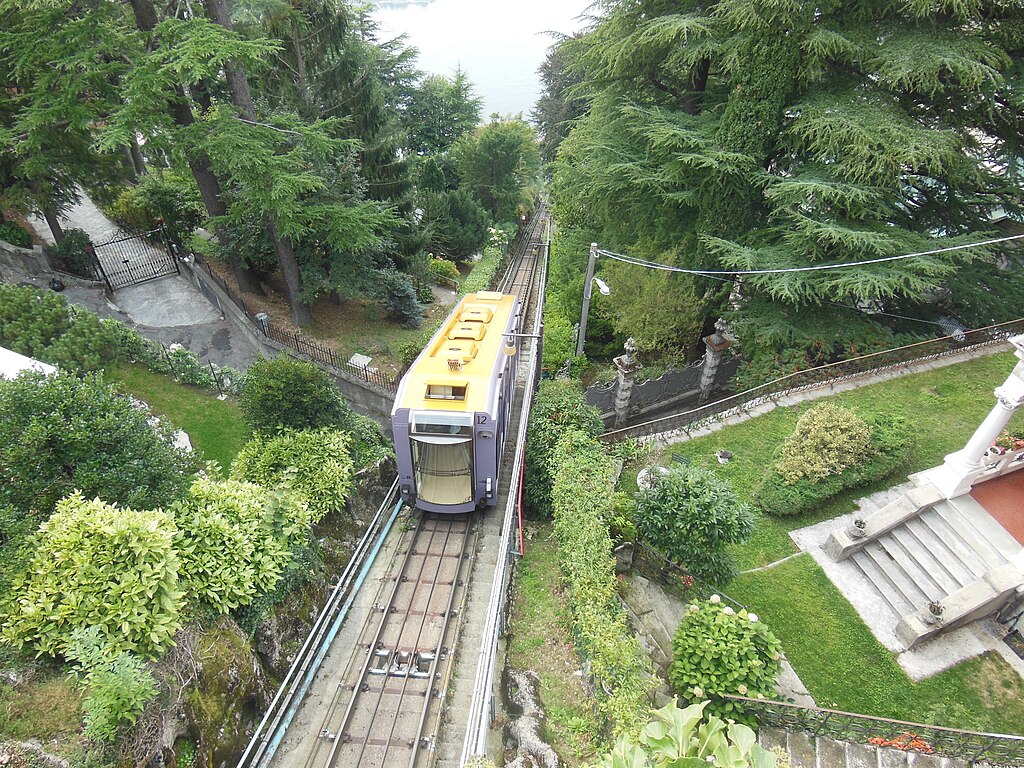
pixel 806 751
pixel 932 555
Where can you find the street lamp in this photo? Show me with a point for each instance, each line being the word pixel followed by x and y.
pixel 602 286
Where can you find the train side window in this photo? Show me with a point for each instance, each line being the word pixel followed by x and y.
pixel 445 392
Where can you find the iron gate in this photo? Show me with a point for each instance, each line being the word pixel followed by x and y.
pixel 135 259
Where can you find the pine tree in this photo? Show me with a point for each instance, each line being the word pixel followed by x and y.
pixel 775 135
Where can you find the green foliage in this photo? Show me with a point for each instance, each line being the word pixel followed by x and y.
pixel 442 269
pixel 828 439
pixel 558 341
pixel 691 515
pixel 235 540
pixel 316 464
pixel 119 687
pixel 62 434
pixel 97 565
pixel 291 394
pixel 481 278
pixel 398 298
pixel 160 198
pixel 690 111
pixel 41 324
pixel 581 499
pixel 717 650
pixel 74 253
pixel 890 446
pixel 439 112
pixel 456 223
pixel 558 406
pixel 689 738
pixel 15 235
pixel 369 444
pixel 497 163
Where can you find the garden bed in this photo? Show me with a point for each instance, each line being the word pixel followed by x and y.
pixel 831 649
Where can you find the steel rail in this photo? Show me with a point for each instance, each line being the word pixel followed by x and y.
pixel 481 705
pixel 280 712
pixel 386 624
pixel 338 734
pixel 431 690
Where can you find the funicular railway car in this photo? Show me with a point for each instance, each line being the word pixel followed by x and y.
pixel 452 408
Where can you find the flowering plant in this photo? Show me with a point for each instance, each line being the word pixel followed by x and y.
pixel 905 741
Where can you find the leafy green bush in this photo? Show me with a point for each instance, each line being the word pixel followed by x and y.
pixel 558 406
pixel 119 687
pixel 408 351
pixel 687 738
pixel 60 434
pixel 369 445
pixel 74 253
pixel 41 324
pixel 442 270
pixel 316 464
pixel 717 650
pixel 583 478
pixel 481 278
pixel 95 564
pixel 15 235
pixel 164 197
pixel 235 539
pixel 891 443
pixel 691 516
pixel 285 393
pixel 828 438
pixel 398 297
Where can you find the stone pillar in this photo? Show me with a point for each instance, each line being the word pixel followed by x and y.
pixel 628 367
pixel 961 468
pixel 715 345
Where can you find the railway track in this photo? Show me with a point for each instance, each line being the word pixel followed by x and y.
pixel 380 711
pixel 385 706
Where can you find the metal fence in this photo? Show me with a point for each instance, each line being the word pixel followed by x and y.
pixel 972 746
pixel 813 378
pixel 318 353
pixel 136 259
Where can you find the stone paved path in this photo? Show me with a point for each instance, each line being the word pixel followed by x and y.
pixel 169 309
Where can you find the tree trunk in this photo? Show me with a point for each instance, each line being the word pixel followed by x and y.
pixel 300 69
pixel 129 165
pixel 206 180
pixel 241 97
pixel 51 218
pixel 136 155
pixel 300 311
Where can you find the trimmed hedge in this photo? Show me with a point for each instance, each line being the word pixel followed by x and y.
pixel 584 478
pixel 482 276
pixel 891 441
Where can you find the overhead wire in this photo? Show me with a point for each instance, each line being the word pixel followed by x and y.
pixel 811 268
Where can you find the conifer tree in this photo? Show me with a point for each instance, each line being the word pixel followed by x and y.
pixel 777 135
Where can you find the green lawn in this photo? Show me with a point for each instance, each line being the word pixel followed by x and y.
pixel 943 406
pixel 539 640
pixel 831 649
pixel 845 667
pixel 215 426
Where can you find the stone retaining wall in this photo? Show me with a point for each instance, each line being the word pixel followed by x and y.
pixel 31 261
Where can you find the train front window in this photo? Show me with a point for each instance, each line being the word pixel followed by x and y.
pixel 444 471
pixel 432 423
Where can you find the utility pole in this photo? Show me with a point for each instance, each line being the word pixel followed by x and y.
pixel 587 286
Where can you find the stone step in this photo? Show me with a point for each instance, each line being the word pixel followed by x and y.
pixel 925 559
pixel 996 537
pixel 944 557
pixel 900 580
pixel 915 561
pixel 805 751
pixel 977 541
pixel 896 602
pixel 965 564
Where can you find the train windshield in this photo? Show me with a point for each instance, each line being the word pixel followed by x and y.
pixel 442 455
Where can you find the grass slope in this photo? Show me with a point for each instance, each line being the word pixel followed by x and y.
pixel 831 649
pixel 539 640
pixel 215 426
pixel 845 667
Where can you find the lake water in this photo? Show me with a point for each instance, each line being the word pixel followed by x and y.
pixel 498 44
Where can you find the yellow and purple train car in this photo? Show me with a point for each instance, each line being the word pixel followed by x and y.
pixel 452 408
